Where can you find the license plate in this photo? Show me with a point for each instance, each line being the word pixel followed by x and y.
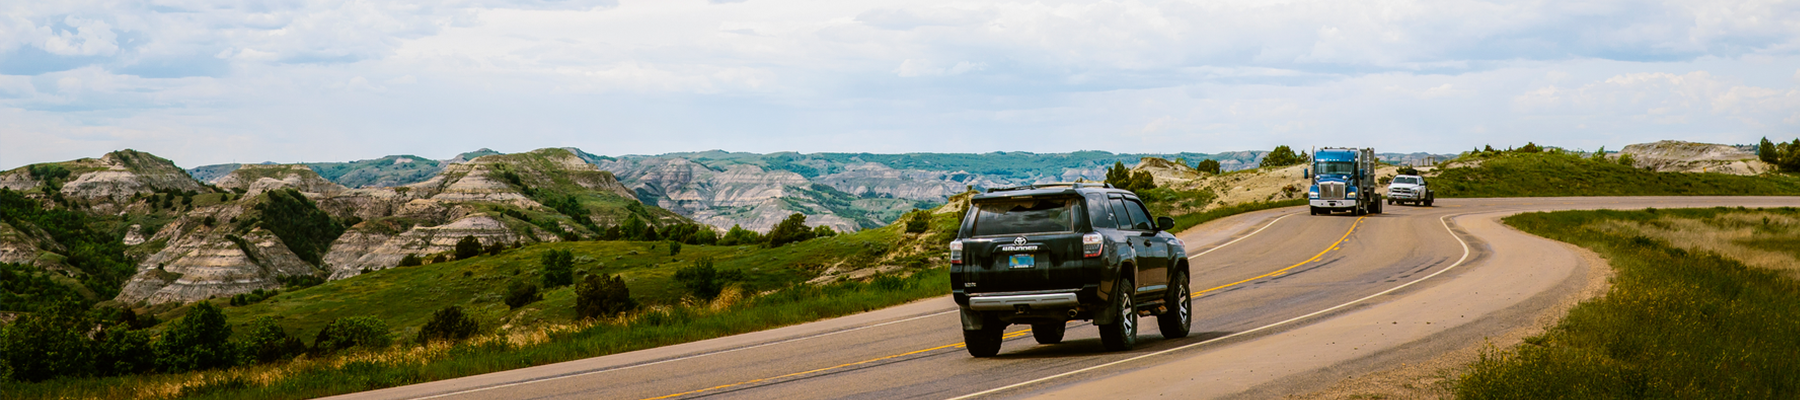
pixel 1019 261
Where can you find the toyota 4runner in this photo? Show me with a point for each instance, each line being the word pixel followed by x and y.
pixel 1043 255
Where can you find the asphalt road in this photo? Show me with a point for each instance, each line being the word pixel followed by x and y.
pixel 1286 303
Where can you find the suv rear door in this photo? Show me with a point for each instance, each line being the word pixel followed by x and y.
pixel 1024 244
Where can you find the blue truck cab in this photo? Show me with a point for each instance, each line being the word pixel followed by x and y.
pixel 1343 179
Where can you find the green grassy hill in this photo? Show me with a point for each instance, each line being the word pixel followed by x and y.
pixel 1550 174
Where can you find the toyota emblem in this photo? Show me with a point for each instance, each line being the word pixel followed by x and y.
pixel 1020 240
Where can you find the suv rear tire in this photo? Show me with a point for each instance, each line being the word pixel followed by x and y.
pixel 986 341
pixel 1121 335
pixel 1048 332
pixel 1176 322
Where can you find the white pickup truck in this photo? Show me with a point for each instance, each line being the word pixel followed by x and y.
pixel 1410 189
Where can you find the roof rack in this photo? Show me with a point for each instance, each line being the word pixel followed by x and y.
pixel 1076 185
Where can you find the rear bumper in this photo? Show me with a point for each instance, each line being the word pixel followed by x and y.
pixel 1032 301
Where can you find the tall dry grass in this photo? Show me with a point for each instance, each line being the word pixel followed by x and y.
pixel 1727 234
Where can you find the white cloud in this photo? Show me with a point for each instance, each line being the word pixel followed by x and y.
pixel 646 76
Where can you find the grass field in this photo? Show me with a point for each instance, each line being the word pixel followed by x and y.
pixel 1698 309
pixel 1549 174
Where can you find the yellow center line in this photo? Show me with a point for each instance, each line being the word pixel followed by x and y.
pixel 1315 257
pixel 1008 335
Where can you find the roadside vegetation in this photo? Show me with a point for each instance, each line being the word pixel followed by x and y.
pixel 1533 171
pixel 1702 306
pixel 491 309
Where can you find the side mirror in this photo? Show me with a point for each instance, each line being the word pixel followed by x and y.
pixel 1306 173
pixel 1165 223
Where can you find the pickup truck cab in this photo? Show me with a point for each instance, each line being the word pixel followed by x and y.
pixel 1044 255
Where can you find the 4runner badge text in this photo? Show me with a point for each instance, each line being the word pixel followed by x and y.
pixel 1019 245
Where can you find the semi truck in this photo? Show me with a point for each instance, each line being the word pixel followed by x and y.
pixel 1343 179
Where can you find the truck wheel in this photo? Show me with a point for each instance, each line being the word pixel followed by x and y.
pixel 1121 335
pixel 1048 332
pixel 1376 206
pixel 984 342
pixel 1315 210
pixel 1428 202
pixel 1176 322
pixel 1359 210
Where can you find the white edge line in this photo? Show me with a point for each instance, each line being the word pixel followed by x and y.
pixel 546 379
pixel 1459 261
pixel 1259 230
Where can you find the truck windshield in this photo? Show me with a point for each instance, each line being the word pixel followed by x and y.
pixel 1406 180
pixel 1334 167
pixel 1006 217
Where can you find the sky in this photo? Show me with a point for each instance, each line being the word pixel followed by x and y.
pixel 208 82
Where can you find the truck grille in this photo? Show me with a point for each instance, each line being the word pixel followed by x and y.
pixel 1331 191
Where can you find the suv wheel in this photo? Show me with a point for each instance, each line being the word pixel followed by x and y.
pixel 985 342
pixel 1048 332
pixel 1121 334
pixel 1176 322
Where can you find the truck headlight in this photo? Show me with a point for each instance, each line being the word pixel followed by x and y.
pixel 1350 195
pixel 1312 195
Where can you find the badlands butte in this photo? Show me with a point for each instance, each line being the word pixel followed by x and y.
pixel 210 231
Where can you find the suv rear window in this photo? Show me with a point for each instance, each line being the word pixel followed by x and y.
pixel 1013 216
pixel 1406 180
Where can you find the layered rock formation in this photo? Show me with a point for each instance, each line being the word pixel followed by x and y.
pixel 1167 173
pixel 1679 156
pixel 112 178
pixel 258 178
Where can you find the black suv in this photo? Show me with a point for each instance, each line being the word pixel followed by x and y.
pixel 1046 254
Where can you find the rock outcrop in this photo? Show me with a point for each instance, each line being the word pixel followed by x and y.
pixel 1167 173
pixel 255 179
pixel 368 248
pixel 1678 156
pixel 112 178
pixel 202 261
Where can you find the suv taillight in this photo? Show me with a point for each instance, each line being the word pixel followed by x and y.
pixel 956 252
pixel 1092 244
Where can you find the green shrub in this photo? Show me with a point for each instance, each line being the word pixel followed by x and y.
pixel 1208 166
pixel 559 268
pixel 411 260
pixel 521 293
pixel 1281 157
pixel 298 281
pixel 35 348
pixel 122 351
pixel 199 340
pixel 449 323
pixel 789 230
pixel 918 221
pixel 467 247
pixel 258 295
pixel 700 279
pixel 740 236
pixel 674 248
pixel 344 333
pixel 602 295
pixel 267 342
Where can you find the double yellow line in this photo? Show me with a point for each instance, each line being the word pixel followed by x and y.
pixel 1315 257
pixel 1008 335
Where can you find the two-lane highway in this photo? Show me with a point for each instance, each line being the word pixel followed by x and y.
pixel 1278 291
